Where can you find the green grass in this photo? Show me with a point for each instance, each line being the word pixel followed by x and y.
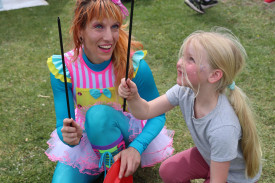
pixel 29 36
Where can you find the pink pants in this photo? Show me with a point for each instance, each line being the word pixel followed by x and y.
pixel 185 166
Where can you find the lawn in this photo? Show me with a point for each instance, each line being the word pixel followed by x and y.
pixel 29 36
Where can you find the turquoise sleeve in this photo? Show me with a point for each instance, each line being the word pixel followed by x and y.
pixel 60 103
pixel 147 90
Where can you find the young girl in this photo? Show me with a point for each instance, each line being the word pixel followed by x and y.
pixel 214 109
pixel 99 129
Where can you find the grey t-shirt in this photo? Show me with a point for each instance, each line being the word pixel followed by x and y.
pixel 217 135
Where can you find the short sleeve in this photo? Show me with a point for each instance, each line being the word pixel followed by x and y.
pixel 56 68
pixel 224 143
pixel 173 95
pixel 136 58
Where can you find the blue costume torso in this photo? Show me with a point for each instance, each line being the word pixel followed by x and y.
pixel 147 90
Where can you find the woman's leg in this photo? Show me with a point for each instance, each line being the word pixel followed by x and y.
pixel 104 125
pixel 106 129
pixel 67 174
pixel 184 166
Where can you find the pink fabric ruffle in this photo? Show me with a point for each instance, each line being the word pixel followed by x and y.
pixel 85 159
pixel 81 156
pixel 159 149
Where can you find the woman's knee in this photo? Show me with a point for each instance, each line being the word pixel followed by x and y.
pixel 101 121
pixel 98 117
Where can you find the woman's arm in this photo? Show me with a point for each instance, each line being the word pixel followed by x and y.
pixel 70 135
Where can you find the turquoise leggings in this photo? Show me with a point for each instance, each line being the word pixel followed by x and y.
pixel 103 126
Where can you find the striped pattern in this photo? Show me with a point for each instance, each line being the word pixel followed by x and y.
pixel 84 77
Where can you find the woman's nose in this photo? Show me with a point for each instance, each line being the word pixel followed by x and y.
pixel 108 34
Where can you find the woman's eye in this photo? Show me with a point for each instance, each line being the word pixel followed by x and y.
pixel 98 26
pixel 116 26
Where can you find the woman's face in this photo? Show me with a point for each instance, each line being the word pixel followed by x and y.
pixel 99 39
pixel 189 65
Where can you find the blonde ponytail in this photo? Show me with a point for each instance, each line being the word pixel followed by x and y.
pixel 250 141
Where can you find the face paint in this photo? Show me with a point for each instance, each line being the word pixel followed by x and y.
pixel 202 67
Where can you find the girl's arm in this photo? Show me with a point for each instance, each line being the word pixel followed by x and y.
pixel 219 171
pixel 139 107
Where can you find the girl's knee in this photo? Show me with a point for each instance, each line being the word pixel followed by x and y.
pixel 166 172
pixel 171 172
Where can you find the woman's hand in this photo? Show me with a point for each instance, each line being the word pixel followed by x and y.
pixel 130 160
pixel 71 133
pixel 128 89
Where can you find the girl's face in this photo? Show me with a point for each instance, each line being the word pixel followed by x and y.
pixel 99 39
pixel 192 67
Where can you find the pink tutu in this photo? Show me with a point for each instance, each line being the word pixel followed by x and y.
pixel 81 156
pixel 85 159
pixel 159 149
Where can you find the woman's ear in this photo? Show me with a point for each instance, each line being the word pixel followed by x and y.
pixel 215 76
pixel 81 36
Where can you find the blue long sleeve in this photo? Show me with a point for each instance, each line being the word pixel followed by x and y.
pixel 147 90
pixel 60 103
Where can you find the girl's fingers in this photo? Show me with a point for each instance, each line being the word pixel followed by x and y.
pixel 123 83
pixel 132 86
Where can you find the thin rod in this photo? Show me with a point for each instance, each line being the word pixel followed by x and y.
pixel 129 47
pixel 63 63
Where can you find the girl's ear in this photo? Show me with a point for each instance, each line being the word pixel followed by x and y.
pixel 215 76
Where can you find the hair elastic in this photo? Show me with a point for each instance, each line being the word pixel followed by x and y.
pixel 122 7
pixel 232 86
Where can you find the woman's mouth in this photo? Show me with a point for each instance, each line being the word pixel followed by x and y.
pixel 105 48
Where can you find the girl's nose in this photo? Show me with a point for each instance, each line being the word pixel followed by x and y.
pixel 180 63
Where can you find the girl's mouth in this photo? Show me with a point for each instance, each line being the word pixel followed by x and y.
pixel 179 72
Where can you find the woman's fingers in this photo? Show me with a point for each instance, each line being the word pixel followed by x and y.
pixel 71 134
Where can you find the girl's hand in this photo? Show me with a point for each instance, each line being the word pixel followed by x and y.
pixel 127 89
pixel 71 133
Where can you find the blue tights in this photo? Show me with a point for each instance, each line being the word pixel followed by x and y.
pixel 67 174
pixel 103 125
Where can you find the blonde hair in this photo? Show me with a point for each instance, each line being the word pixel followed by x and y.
pixel 225 52
pixel 85 11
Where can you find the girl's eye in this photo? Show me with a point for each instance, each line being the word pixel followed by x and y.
pixel 191 59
